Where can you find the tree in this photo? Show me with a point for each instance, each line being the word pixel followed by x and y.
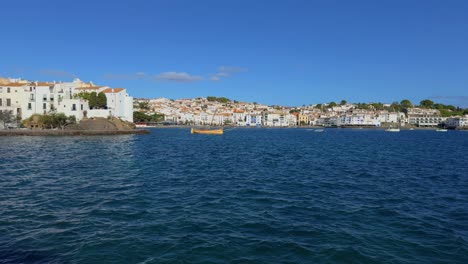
pixel 101 100
pixel 395 106
pixel 71 119
pixel 426 103
pixel 343 102
pixel 143 105
pixel 378 106
pixel 332 104
pixel 60 120
pixel 92 101
pixel 405 104
pixel 140 117
pixel 6 116
pixel 318 106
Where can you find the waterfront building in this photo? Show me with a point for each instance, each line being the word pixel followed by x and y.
pixel 457 122
pixel 358 117
pixel 12 98
pixel 238 117
pixel 424 117
pixel 28 98
pixel 303 119
pixel 253 119
pixel 388 117
pixel 120 103
pixel 328 121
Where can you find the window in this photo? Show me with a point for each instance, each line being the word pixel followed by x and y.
pixel 44 106
pixel 81 107
pixel 1 89
pixel 1 103
pixel 8 102
pixel 30 89
pixel 73 107
pixel 29 106
pixel 8 90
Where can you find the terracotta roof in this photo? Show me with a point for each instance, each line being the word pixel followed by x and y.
pixel 14 84
pixel 113 90
pixel 40 84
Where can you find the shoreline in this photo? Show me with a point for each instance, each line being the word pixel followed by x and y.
pixel 46 132
pixel 295 127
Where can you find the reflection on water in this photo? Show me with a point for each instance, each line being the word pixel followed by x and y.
pixel 251 195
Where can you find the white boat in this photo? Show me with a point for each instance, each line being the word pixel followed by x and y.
pixel 411 129
pixel 392 130
pixel 441 130
pixel 318 130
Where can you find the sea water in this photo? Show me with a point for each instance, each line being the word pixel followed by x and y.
pixel 248 196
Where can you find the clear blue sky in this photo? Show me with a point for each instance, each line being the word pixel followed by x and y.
pixel 276 52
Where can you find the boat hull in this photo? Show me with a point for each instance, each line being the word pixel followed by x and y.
pixel 207 131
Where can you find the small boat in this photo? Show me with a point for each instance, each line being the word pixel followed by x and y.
pixel 218 131
pixel 392 130
pixel 141 125
pixel 411 129
pixel 318 130
pixel 441 130
pixel 207 131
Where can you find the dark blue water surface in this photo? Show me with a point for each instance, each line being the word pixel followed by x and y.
pixel 248 196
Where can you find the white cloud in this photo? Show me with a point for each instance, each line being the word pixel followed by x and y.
pixel 181 77
pixel 134 76
pixel 177 77
pixel 226 71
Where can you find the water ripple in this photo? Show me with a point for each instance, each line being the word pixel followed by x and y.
pixel 249 196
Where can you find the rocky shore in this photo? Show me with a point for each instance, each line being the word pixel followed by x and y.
pixel 65 132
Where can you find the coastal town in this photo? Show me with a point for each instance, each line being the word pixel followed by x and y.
pixel 22 99
pixel 220 111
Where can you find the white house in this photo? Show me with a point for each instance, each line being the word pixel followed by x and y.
pixel 27 99
pixel 253 119
pixel 457 122
pixel 120 103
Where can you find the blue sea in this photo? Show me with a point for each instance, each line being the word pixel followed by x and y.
pixel 248 196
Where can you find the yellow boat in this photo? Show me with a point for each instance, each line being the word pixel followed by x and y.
pixel 207 131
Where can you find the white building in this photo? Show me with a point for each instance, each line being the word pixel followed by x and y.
pixel 389 117
pixel 27 99
pixel 358 119
pixel 253 119
pixel 457 122
pixel 120 103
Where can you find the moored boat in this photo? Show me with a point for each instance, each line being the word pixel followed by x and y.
pixel 139 125
pixel 392 130
pixel 441 130
pixel 207 131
